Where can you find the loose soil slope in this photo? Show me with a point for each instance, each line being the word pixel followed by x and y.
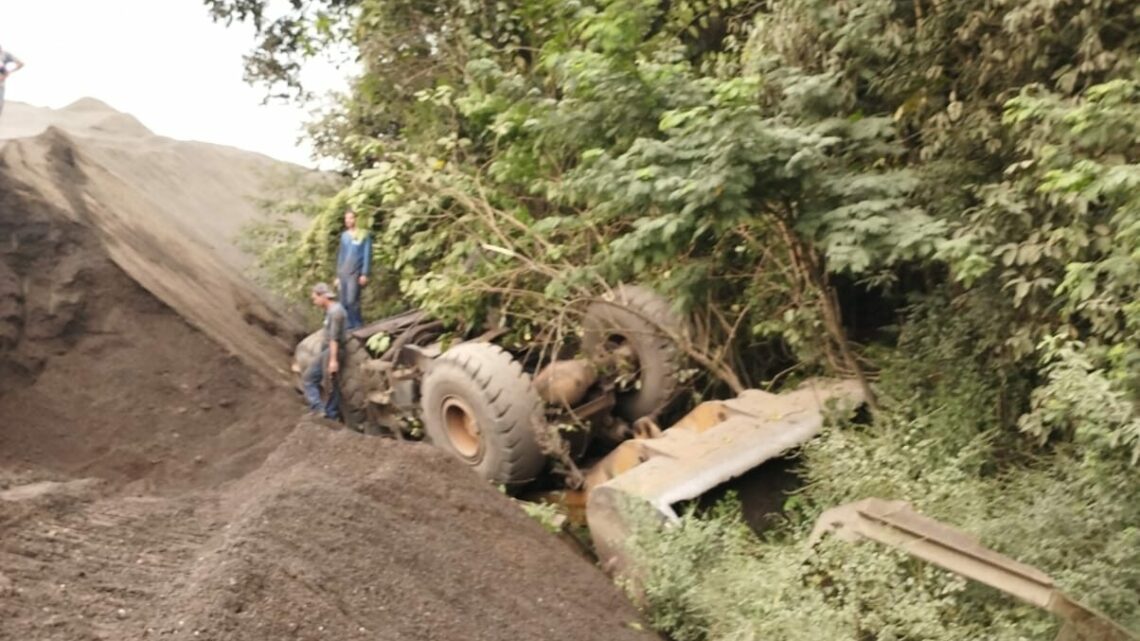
pixel 154 481
pixel 166 212
pixel 344 537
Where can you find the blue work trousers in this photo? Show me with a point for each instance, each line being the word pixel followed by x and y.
pixel 350 298
pixel 311 383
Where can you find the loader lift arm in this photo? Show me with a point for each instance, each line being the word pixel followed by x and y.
pixel 897 525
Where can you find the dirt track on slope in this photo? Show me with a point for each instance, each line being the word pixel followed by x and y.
pixel 155 485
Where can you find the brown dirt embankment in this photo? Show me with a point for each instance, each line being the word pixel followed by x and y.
pixel 155 482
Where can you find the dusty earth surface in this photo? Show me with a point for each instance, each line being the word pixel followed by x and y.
pixel 166 212
pixel 155 481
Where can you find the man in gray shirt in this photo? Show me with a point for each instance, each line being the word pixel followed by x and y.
pixel 9 65
pixel 328 361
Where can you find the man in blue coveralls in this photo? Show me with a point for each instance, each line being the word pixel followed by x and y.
pixel 353 263
pixel 9 65
pixel 327 363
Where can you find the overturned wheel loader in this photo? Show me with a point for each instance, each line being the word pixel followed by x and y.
pixel 510 416
pixel 591 419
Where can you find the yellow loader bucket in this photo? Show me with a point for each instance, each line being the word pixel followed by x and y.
pixel 715 443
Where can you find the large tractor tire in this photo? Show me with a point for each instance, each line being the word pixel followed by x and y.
pixel 479 405
pixel 354 385
pixel 305 353
pixel 354 381
pixel 645 321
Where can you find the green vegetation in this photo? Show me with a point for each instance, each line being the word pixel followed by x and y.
pixel 940 197
pixel 1066 509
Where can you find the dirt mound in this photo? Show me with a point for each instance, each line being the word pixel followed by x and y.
pixel 166 212
pixel 344 537
pixel 98 377
pixel 119 426
pixel 153 480
pixel 337 536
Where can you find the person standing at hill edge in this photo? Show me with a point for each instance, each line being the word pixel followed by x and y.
pixel 353 263
pixel 7 59
pixel 327 363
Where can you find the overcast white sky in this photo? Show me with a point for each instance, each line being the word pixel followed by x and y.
pixel 163 61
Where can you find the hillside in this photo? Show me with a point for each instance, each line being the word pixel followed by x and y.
pixel 166 212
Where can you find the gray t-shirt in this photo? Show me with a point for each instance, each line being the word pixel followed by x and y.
pixel 334 326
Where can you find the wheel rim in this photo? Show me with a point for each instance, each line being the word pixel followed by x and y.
pixel 621 349
pixel 462 428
